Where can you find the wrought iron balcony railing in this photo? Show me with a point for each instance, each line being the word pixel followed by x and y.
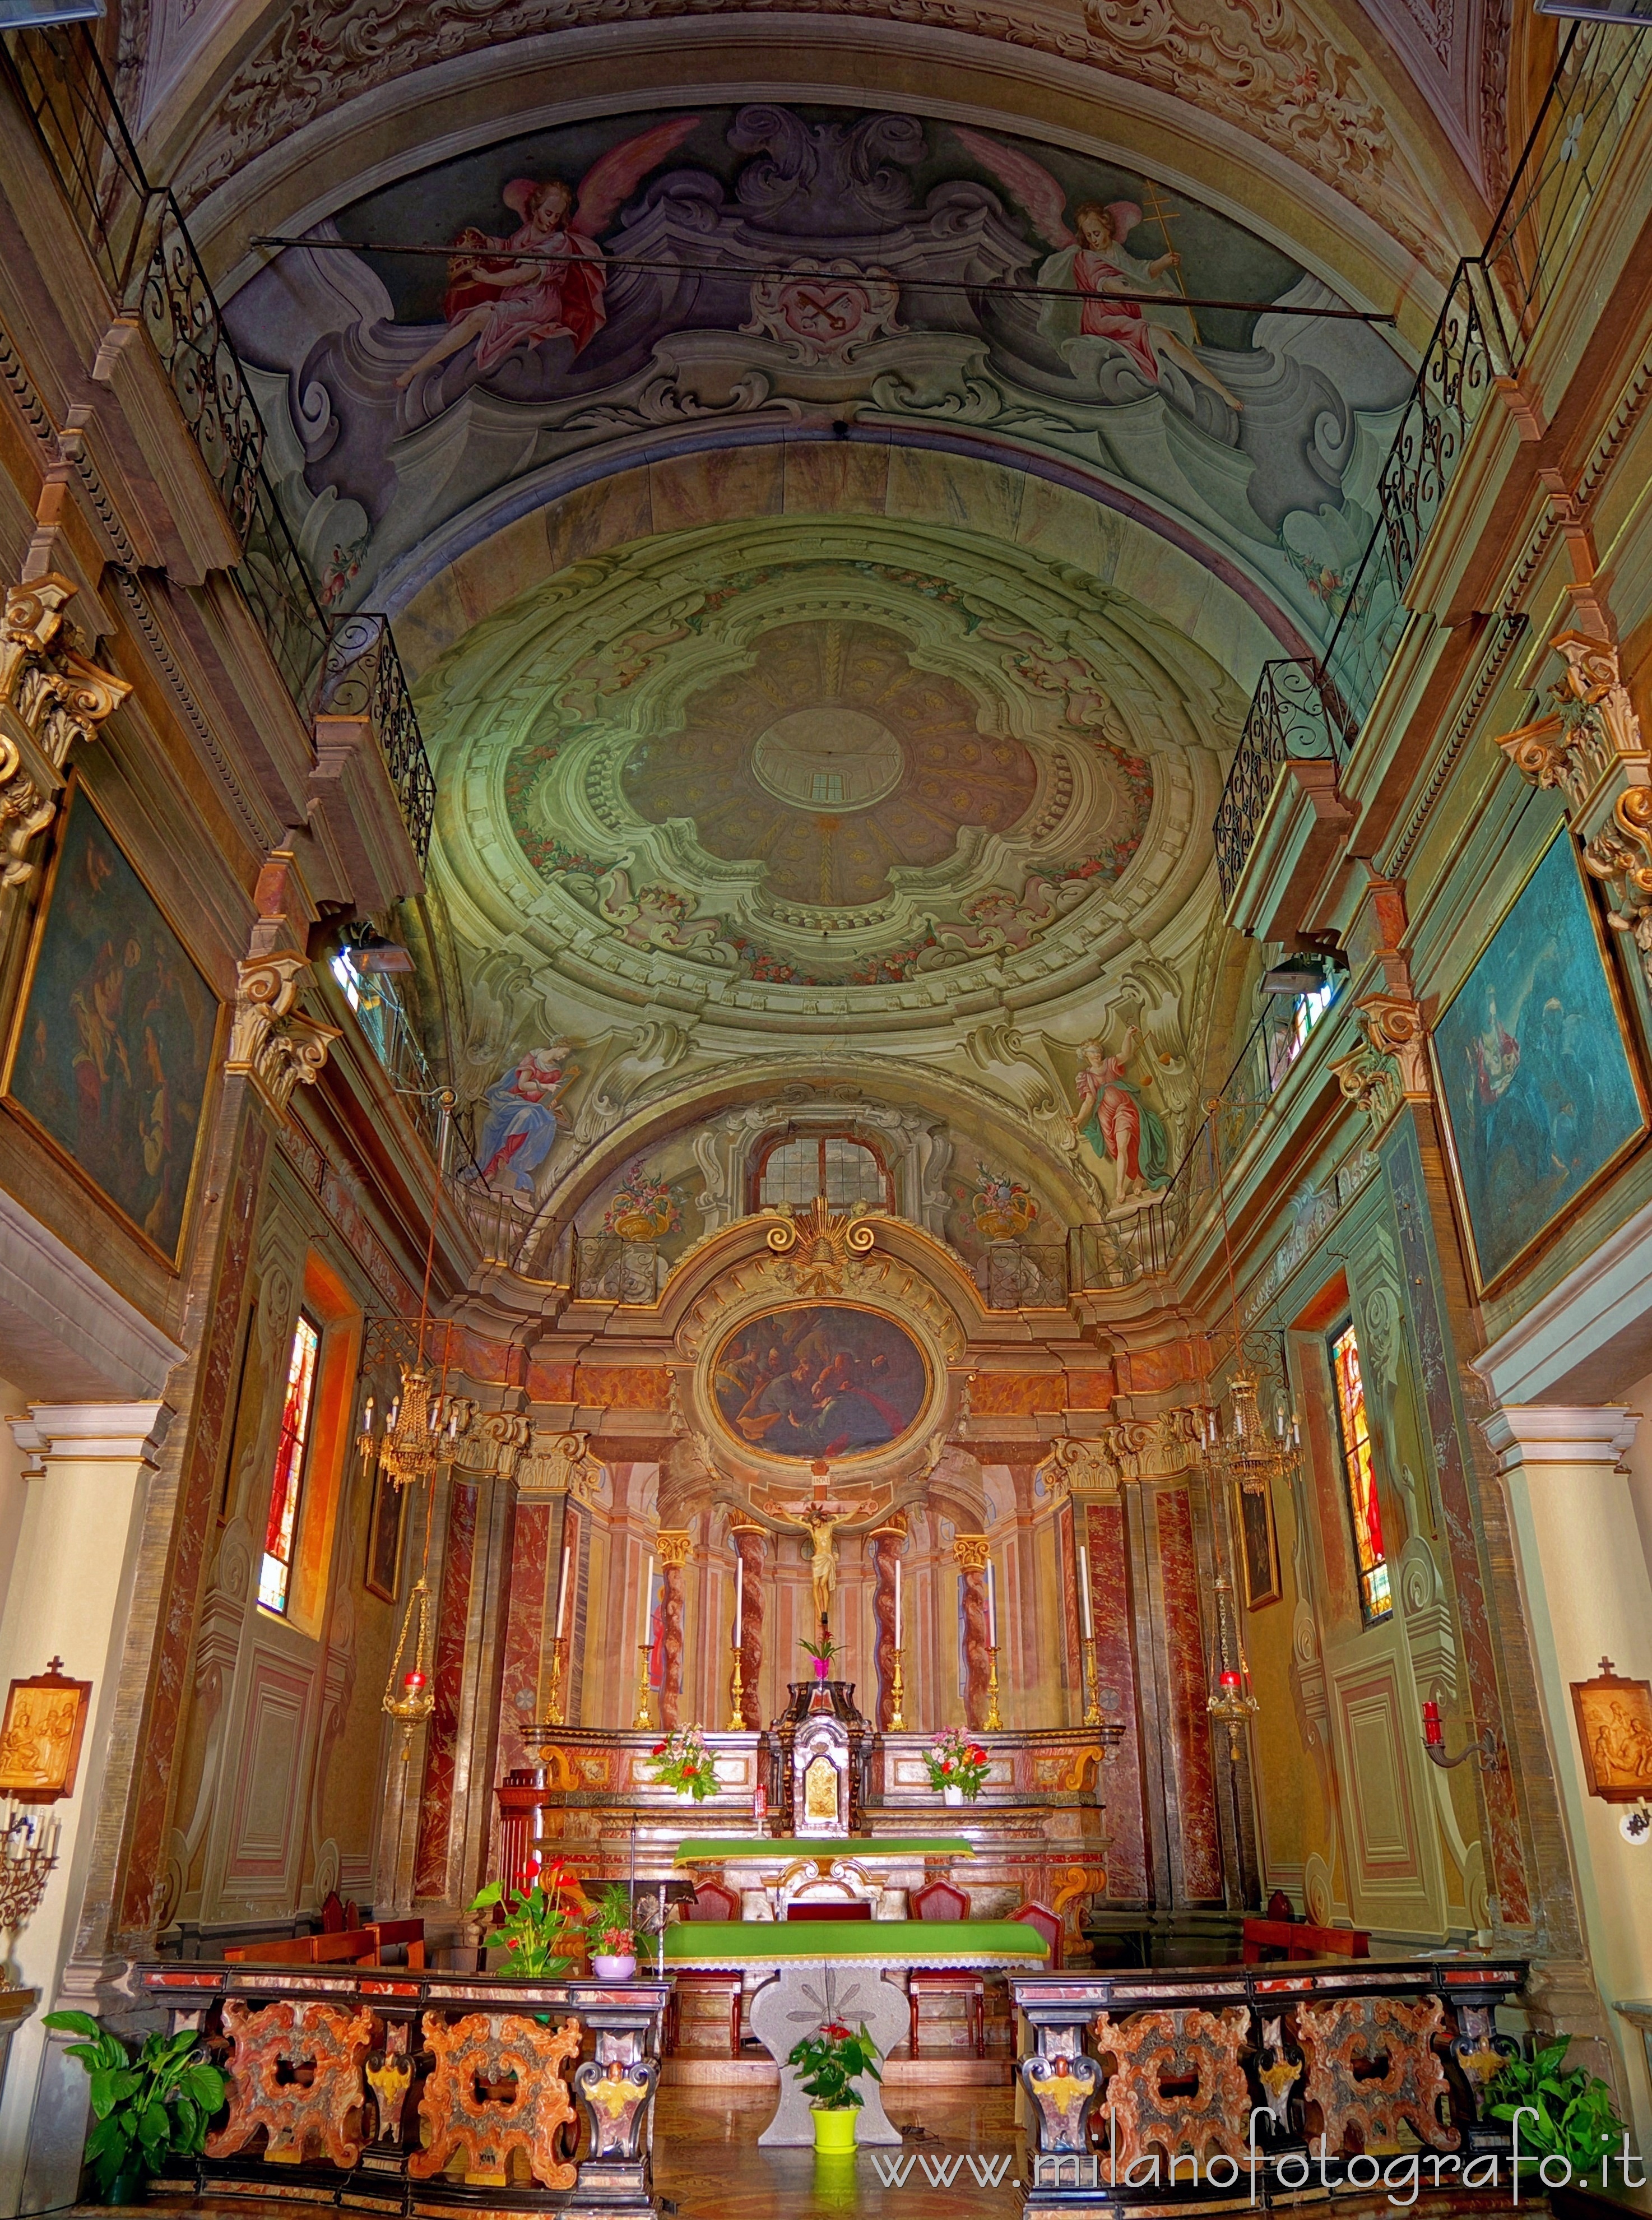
pixel 1315 707
pixel 142 249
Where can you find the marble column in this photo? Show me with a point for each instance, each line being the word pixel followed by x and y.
pixel 971 1552
pixel 887 1544
pixel 1583 1569
pixel 431 1857
pixel 675 1546
pixel 70 1597
pixel 1107 1547
pixel 749 1540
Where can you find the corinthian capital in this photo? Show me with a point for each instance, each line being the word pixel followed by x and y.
pixel 271 1041
pixel 51 695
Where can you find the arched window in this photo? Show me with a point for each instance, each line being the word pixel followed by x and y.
pixel 795 1168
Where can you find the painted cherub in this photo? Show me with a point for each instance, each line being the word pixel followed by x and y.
pixel 546 279
pixel 659 917
pixel 1091 260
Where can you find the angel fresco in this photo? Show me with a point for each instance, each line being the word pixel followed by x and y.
pixel 524 1115
pixel 1121 1126
pixel 507 304
pixel 1091 259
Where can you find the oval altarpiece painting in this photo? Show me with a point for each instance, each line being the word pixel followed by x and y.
pixel 820 1379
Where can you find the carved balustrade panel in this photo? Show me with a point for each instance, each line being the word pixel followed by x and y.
pixel 1179 2083
pixel 1346 2042
pixel 272 2047
pixel 497 2087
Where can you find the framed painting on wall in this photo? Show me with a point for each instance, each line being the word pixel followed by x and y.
pixel 1259 1545
pixel 1542 1097
pixel 1614 1731
pixel 384 1523
pixel 40 1735
pixel 111 1058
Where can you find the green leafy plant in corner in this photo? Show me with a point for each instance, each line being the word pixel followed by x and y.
pixel 1568 2116
pixel 830 2061
pixel 148 2107
pixel 609 1931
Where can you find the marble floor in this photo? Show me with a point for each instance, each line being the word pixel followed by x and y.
pixel 707 2162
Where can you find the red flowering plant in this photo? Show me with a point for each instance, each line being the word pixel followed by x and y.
pixel 682 1761
pixel 538 1925
pixel 955 1762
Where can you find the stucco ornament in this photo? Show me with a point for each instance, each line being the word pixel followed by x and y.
pixel 52 694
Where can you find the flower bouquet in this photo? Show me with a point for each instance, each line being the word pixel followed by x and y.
pixel 956 1763
pixel 822 1652
pixel 682 1761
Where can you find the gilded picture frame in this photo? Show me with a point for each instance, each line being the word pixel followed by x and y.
pixel 386 1523
pixel 1536 1070
pixel 826 1378
pixel 1258 1549
pixel 117 1040
pixel 1614 1733
pixel 41 1729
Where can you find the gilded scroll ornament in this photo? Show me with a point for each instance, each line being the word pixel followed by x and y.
pixel 820 1243
pixel 269 2047
pixel 526 2064
pixel 51 695
pixel 1343 2041
pixel 1159 2053
pixel 271 1041
pixel 1063 2090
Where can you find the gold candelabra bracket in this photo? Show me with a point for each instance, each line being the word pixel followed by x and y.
pixel 643 1717
pixel 992 1723
pixel 736 1698
pixel 897 1699
pixel 556 1710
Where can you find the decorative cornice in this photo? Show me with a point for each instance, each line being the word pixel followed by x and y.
pixel 271 1041
pixel 52 694
pixel 92 1433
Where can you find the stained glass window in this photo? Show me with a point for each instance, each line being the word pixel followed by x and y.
pixel 832 1165
pixel 1359 1477
pixel 293 1440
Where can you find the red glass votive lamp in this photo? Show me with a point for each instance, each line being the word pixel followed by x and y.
pixel 413 1681
pixel 1433 1732
pixel 1232 1681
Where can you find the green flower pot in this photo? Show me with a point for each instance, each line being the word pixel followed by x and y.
pixel 834 2131
pixel 129 2186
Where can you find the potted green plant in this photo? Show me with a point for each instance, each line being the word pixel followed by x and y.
pixel 148 2107
pixel 609 1935
pixel 1568 2116
pixel 822 1652
pixel 684 1762
pixel 829 2062
pixel 956 1766
pixel 538 1928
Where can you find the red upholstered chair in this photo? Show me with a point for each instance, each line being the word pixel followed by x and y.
pixel 939 1900
pixel 709 1901
pixel 1039 1915
pixel 829 1908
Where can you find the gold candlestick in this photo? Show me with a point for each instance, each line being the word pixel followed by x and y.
pixel 553 1711
pixel 1093 1701
pixel 642 1719
pixel 897 1697
pixel 992 1723
pixel 736 1698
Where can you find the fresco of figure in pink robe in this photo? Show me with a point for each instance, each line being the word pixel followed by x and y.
pixel 547 278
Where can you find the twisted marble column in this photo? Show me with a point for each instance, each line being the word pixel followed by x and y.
pixel 676 1545
pixel 971 1551
pixel 886 1548
pixel 748 1541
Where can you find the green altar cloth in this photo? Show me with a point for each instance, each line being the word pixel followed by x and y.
pixel 713 1849
pixel 711 1943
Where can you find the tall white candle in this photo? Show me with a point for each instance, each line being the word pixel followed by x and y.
pixel 897 1603
pixel 740 1599
pixel 992 1609
pixel 648 1600
pixel 1084 1590
pixel 561 1593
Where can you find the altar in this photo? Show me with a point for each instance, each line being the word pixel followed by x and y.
pixel 822 1973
